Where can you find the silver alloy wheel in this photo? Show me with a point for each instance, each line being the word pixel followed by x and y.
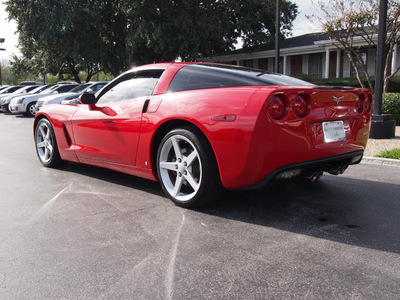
pixel 44 142
pixel 180 168
pixel 32 110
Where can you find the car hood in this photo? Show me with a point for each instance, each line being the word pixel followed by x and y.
pixel 7 95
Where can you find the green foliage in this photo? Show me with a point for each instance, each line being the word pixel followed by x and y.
pixel 14 74
pixel 394 154
pixel 391 105
pixel 101 76
pixel 72 36
pixel 162 30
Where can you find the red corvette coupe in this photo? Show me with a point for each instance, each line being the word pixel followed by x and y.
pixel 203 128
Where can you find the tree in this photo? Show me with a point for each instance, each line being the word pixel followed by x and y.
pixel 347 22
pixel 109 35
pixel 70 35
pixel 162 30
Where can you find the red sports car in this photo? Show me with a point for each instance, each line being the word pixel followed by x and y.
pixel 202 128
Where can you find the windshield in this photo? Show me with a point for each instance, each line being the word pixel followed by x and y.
pixel 22 90
pixel 80 88
pixel 12 89
pixel 36 89
pixel 42 88
pixel 49 89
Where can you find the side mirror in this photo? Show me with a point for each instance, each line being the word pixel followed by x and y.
pixel 87 98
pixel 90 99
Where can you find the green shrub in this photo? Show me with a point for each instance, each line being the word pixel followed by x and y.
pixel 337 82
pixel 394 154
pixel 302 77
pixel 391 105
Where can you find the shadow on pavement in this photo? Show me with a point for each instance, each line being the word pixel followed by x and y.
pixel 345 210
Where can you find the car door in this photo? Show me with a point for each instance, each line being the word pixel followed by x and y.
pixel 110 132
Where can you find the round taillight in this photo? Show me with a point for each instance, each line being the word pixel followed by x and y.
pixel 368 104
pixel 299 106
pixel 276 107
pixel 360 103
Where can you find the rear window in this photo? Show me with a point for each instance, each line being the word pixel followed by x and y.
pixel 194 77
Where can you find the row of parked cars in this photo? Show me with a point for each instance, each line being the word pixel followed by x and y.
pixel 28 99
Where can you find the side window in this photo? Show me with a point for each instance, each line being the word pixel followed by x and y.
pixel 131 86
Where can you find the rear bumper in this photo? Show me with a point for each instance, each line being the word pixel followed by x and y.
pixel 334 165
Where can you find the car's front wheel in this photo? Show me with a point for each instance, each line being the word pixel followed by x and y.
pixel 46 144
pixel 187 168
pixel 31 109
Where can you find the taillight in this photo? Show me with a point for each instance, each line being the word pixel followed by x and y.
pixel 368 104
pixel 276 107
pixel 299 106
pixel 360 103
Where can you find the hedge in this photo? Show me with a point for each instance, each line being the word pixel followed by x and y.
pixel 391 105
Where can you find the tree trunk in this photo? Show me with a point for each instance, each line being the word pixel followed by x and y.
pixel 355 68
pixel 74 72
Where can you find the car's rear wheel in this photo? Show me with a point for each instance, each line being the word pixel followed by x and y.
pixel 187 168
pixel 46 144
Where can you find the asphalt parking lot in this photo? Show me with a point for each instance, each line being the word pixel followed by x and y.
pixel 81 232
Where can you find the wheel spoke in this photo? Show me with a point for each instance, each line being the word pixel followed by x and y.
pixel 42 133
pixel 41 144
pixel 50 148
pixel 193 183
pixel 178 185
pixel 192 156
pixel 177 149
pixel 46 154
pixel 168 165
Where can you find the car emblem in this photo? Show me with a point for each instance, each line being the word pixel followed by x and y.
pixel 337 100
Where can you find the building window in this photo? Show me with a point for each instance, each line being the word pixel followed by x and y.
pixel 315 65
pixel 248 63
pixel 353 73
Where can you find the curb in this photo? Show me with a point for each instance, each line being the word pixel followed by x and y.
pixel 381 161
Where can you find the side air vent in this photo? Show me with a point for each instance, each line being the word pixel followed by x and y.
pixel 67 137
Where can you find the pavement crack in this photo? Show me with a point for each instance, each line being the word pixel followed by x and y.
pixel 48 204
pixel 172 259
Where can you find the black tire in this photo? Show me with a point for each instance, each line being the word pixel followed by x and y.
pixel 187 168
pixel 30 109
pixel 46 144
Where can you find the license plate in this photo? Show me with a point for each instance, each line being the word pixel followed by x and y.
pixel 333 131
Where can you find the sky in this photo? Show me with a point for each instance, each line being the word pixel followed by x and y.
pixel 8 28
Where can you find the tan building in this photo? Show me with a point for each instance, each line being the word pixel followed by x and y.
pixel 312 54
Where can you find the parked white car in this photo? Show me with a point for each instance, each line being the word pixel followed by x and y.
pixel 26 104
pixel 16 90
pixel 3 87
pixel 9 89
